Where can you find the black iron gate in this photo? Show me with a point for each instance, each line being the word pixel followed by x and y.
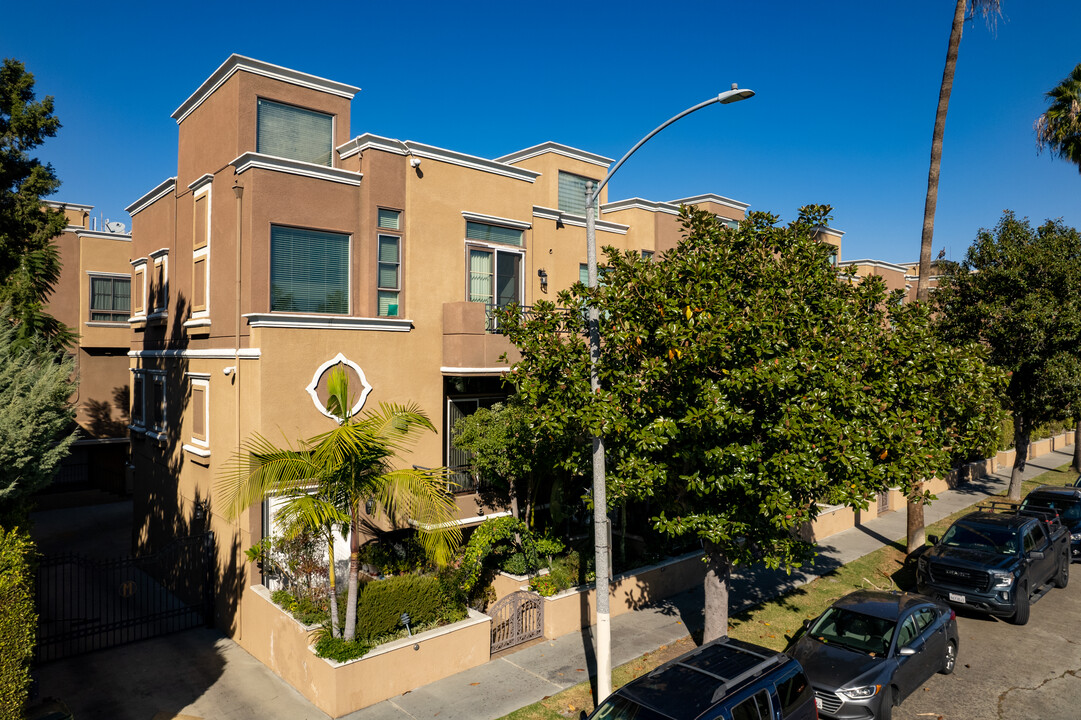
pixel 515 619
pixel 85 604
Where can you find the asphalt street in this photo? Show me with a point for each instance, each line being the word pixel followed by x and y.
pixel 1006 672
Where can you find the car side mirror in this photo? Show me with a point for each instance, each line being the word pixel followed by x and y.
pixel 933 539
pixel 806 624
pixel 1035 555
pixel 906 651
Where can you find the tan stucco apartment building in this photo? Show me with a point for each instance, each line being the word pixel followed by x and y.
pixel 285 246
pixel 91 297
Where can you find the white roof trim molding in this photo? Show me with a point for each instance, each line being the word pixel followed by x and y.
pixel 314 385
pixel 640 204
pixel 151 197
pixel 409 147
pixel 250 160
pixel 496 220
pixel 236 63
pixel 875 264
pixel 578 220
pixel 711 197
pixel 66 205
pixel 558 149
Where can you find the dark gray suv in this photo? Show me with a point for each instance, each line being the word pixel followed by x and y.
pixel 723 680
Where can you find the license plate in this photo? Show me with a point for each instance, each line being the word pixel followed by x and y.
pixel 954 597
pixel 818 703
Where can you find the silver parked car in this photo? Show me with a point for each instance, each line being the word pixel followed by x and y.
pixel 871 649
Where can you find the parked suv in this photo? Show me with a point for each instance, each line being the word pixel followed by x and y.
pixel 1064 501
pixel 724 679
pixel 997 560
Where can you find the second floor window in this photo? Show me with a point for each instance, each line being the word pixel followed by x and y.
pixel 110 299
pixel 572 193
pixel 295 133
pixel 390 259
pixel 309 271
pixel 495 276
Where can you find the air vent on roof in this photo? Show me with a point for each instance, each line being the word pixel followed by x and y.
pixel 115 227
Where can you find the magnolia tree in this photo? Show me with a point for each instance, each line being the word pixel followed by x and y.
pixel 744 382
pixel 1018 292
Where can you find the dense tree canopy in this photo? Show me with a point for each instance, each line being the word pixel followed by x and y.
pixel 29 262
pixel 743 383
pixel 1018 292
pixel 36 422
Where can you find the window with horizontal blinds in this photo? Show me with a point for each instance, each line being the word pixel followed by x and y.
pixel 292 132
pixel 309 271
pixel 389 280
pixel 493 233
pixel 389 219
pixel 495 277
pixel 110 299
pixel 572 192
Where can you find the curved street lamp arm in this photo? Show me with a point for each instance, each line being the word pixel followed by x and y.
pixel 729 96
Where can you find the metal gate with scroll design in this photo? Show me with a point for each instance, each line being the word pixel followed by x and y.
pixel 86 604
pixel 517 618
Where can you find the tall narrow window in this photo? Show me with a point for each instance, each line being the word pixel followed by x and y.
pixel 159 285
pixel 389 275
pixel 572 193
pixel 200 255
pixel 139 302
pixel 200 411
pixel 295 133
pixel 138 415
pixel 110 299
pixel 309 271
pixel 157 402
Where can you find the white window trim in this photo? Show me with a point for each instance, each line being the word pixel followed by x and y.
pixel 203 252
pixel 137 265
pixel 496 247
pixel 161 257
pixel 92 274
pixel 202 380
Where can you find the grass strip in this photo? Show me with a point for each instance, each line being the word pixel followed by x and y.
pixel 770 622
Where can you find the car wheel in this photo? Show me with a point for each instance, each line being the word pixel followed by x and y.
pixel 1063 577
pixel 951 658
pixel 885 704
pixel 1020 614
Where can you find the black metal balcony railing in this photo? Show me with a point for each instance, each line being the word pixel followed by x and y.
pixel 491 321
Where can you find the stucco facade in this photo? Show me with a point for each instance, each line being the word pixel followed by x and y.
pixel 225 338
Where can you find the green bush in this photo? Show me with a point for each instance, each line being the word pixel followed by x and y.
pixel 515 564
pixel 340 650
pixel 382 603
pixel 17 622
pixel 305 609
pixel 544 585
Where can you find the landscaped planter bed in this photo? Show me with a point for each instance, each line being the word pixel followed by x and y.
pixel 284 645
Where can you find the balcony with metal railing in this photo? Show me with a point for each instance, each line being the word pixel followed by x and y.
pixel 472 341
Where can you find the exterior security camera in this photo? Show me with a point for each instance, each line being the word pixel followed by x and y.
pixel 414 161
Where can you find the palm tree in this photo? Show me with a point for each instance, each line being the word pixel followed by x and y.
pixel 1058 129
pixel 990 9
pixel 345 468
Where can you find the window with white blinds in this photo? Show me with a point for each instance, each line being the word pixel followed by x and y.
pixel 309 271
pixel 295 133
pixel 390 262
pixel 389 219
pixel 572 193
pixel 493 233
pixel 495 277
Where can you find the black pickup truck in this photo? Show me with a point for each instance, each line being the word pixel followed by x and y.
pixel 997 560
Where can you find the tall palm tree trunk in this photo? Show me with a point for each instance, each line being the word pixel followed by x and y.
pixel 915 521
pixel 333 585
pixel 350 632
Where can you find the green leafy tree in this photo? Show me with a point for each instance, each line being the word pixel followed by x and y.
pixel 1058 129
pixel 743 383
pixel 36 421
pixel 29 262
pixel 1017 291
pixel 347 466
pixel 509 454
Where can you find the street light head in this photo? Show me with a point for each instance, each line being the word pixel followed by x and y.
pixel 734 95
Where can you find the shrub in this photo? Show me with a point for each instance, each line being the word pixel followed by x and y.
pixel 382 603
pixel 332 648
pixel 515 564
pixel 496 536
pixel 306 610
pixel 549 546
pixel 545 585
pixel 17 622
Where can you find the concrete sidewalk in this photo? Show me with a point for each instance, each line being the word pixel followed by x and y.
pixel 204 675
pixel 524 677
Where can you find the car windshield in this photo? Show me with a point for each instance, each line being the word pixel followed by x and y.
pixel 853 630
pixel 1066 508
pixel 982 537
pixel 617 707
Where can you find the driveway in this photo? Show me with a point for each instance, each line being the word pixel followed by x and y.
pixel 1006 672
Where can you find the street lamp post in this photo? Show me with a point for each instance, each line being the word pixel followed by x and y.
pixel 603 637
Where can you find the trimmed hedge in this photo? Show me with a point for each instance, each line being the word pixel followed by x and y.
pixel 382 603
pixel 17 622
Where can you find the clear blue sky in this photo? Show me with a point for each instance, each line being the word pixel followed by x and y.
pixel 844 111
